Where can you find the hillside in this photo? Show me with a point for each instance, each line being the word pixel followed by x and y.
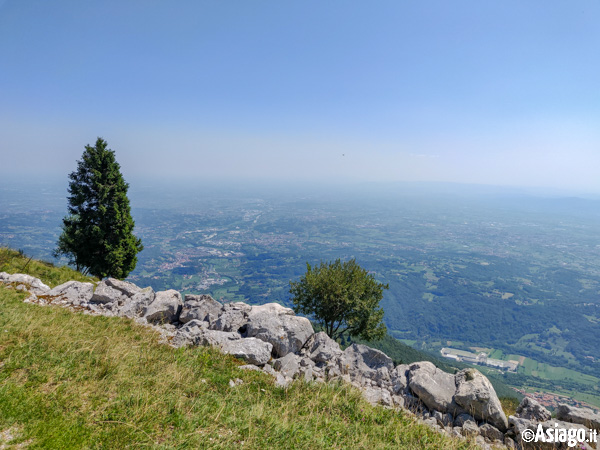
pixel 70 380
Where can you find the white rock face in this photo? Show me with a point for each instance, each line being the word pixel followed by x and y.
pixel 165 307
pixel 280 327
pixel 73 292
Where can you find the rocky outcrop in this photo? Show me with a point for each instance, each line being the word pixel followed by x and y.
pixel 272 339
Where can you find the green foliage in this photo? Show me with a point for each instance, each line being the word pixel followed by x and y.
pixel 98 231
pixel 71 380
pixel 343 298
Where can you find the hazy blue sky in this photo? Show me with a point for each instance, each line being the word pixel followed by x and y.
pixel 496 92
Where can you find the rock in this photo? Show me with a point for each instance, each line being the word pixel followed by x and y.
pixel 518 425
pixel 165 307
pixel 106 293
pixel 280 327
pixel 360 361
pixel 190 334
pixel 376 396
pixel 250 367
pixel 32 284
pixel 475 394
pixel 280 380
pixel 491 432
pixel 199 307
pixel 73 292
pixel 469 428
pixel 442 419
pixel 509 443
pixel 583 416
pixel 321 348
pixel 399 379
pixel 233 317
pixel 134 306
pixel 126 288
pixel 532 410
pixel 433 386
pixel 460 419
pixel 236 382
pixel 288 365
pixel 253 350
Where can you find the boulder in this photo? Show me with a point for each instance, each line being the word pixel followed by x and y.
pixel 288 365
pixel 491 432
pixel 532 410
pixel 280 327
pixel 199 307
pixel 233 317
pixel 399 379
pixel 361 361
pixel 460 419
pixel 189 334
pixel 476 395
pixel 212 338
pixel 165 307
pixel 518 425
pixel 469 428
pixel 583 416
pixel 321 348
pixel 377 396
pixel 126 288
pixel 32 284
pixel 72 292
pixel 433 386
pixel 106 293
pixel 253 350
pixel 134 306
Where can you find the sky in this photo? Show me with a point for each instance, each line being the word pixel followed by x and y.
pixel 501 93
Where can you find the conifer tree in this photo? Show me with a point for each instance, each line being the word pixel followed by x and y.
pixel 97 234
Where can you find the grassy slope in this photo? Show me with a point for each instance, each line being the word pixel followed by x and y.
pixel 69 380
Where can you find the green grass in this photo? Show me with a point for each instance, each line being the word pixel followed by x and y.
pixel 69 380
pixel 12 261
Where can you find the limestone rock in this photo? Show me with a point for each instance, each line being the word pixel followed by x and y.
pixel 233 317
pixel 469 428
pixel 475 394
pixel 134 306
pixel 106 293
pixel 583 416
pixel 280 327
pixel 126 288
pixel 375 395
pixel 73 292
pixel 165 307
pixel 491 432
pixel 532 410
pixel 253 350
pixel 321 348
pixel 433 386
pixel 288 365
pixel 361 361
pixel 32 284
pixel 460 419
pixel 199 307
pixel 399 379
pixel 190 334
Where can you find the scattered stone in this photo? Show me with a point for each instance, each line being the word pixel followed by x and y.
pixel 106 293
pixel 233 317
pixel 288 365
pixel 378 396
pixel 491 432
pixel 134 306
pixel 72 292
pixel 461 419
pixel 31 284
pixel 236 382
